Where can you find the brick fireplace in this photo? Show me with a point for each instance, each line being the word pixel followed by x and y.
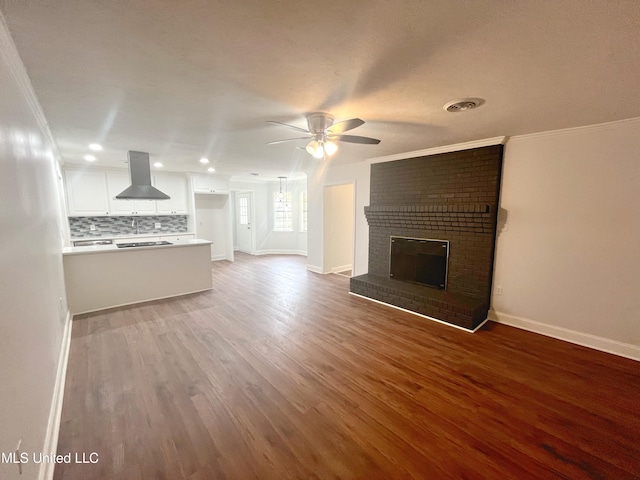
pixel 450 197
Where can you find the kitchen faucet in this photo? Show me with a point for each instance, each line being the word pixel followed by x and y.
pixel 134 223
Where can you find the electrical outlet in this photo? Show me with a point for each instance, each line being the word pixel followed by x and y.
pixel 92 227
pixel 498 290
pixel 158 225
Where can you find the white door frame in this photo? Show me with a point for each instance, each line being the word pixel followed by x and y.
pixel 252 216
pixel 325 218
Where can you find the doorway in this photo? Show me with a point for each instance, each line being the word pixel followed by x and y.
pixel 213 222
pixel 244 222
pixel 339 225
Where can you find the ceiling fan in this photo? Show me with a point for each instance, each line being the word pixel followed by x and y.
pixel 323 134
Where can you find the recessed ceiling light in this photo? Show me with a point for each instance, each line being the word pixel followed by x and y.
pixel 204 160
pixel 463 105
pixel 158 165
pixel 95 147
pixel 211 169
pixel 90 158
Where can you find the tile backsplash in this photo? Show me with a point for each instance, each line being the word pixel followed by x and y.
pixel 80 227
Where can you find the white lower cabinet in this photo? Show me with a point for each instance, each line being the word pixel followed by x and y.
pixel 136 239
pixel 174 238
pixel 170 237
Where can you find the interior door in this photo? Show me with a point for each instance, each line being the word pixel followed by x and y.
pixel 243 222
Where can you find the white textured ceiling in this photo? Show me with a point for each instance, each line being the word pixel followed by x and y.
pixel 185 79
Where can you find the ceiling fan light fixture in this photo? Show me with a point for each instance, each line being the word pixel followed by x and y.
pixel 312 147
pixel 323 134
pixel 330 147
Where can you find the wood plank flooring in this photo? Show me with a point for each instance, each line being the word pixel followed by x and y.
pixel 278 373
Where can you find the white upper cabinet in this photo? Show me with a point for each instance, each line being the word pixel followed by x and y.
pixel 209 184
pixel 86 193
pixel 91 193
pixel 176 187
pixel 117 182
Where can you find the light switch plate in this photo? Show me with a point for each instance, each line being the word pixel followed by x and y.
pixel 158 225
pixel 92 227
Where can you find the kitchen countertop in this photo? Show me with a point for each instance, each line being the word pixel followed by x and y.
pixel 114 248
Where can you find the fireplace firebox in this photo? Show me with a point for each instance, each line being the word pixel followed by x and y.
pixel 419 260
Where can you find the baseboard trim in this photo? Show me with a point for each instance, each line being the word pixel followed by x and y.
pixel 141 301
pixel 281 252
pixel 314 268
pixel 572 336
pixel 217 258
pixel 468 330
pixel 341 268
pixel 55 414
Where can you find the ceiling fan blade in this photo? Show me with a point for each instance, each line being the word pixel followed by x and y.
pixel 288 140
pixel 288 126
pixel 345 125
pixel 355 139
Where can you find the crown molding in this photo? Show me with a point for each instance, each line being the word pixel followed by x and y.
pixel 487 142
pixel 584 128
pixel 12 59
pixel 267 180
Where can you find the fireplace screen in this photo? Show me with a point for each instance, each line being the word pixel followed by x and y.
pixel 419 260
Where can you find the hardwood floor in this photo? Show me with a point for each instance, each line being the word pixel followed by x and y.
pixel 278 373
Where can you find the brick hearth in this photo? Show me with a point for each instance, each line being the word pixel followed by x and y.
pixel 451 196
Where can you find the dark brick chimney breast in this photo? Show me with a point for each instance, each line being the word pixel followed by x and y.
pixel 450 196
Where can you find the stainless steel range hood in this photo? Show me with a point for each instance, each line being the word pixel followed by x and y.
pixel 140 173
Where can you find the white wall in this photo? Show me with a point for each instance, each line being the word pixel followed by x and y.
pixel 339 223
pixel 569 263
pixel 268 241
pixel 32 226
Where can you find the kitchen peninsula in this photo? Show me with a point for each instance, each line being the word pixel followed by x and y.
pixel 105 276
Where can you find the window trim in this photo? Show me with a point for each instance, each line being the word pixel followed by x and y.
pixel 304 213
pixel 287 211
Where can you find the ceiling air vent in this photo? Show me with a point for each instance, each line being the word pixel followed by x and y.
pixel 462 105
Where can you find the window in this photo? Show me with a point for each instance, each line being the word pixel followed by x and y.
pixel 282 212
pixel 303 210
pixel 243 210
